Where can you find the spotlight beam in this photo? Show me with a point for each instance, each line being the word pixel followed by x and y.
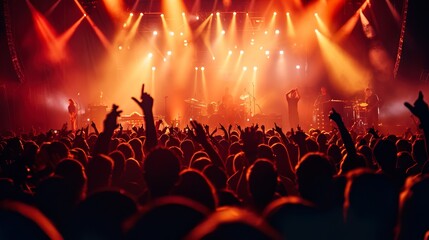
pixel 98 32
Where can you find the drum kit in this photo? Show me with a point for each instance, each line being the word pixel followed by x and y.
pixel 217 112
pixel 354 113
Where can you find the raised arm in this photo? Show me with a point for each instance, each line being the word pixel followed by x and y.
pixel 110 124
pixel 146 104
pixel 421 111
pixel 200 136
pixel 345 135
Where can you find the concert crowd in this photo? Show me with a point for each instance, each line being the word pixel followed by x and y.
pixel 215 182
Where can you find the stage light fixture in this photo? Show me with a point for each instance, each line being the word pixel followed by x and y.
pixel 169 53
pixel 235 13
pixel 141 14
pixel 88 4
pixel 196 68
pixel 172 34
pixel 241 52
pixel 281 52
pixel 120 47
pixel 244 68
pixel 255 68
pixel 153 68
pixel 155 33
pixel 277 32
pixel 275 13
pixel 218 14
pixel 229 52
pixel 298 67
pixel 223 32
pixel 131 14
pixel 150 55
pixel 203 68
pixel 161 15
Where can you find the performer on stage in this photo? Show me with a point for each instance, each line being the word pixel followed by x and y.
pixel 320 111
pixel 322 98
pixel 372 109
pixel 72 114
pixel 292 98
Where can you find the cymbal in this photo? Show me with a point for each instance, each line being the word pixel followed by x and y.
pixel 195 103
pixel 363 104
pixel 191 100
pixel 244 97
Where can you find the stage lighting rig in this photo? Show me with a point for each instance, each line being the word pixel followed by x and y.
pixel 88 4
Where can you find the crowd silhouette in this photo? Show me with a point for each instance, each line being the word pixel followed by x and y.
pixel 243 182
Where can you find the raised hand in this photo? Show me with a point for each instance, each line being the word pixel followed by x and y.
pixel 420 108
pixel 198 133
pixel 334 116
pixel 110 123
pixel 213 132
pixel 146 103
pixel 278 129
pixel 250 142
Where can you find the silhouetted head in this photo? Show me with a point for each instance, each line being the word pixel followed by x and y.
pixel 233 223
pixel 312 145
pixel 99 172
pixel 74 173
pixel 235 148
pixel 419 151
pixel 403 145
pixel 101 216
pixel 294 218
pixel 127 150
pixel 200 163
pixel 385 155
pixel 137 147
pixel 370 207
pixel 414 211
pixel 314 175
pixel 216 176
pixel 351 162
pixel 265 151
pixel 161 171
pixel 171 217
pixel 262 182
pixel 80 155
pixel 334 153
pixel 188 149
pixel 118 166
pixel 194 185
pixel 404 161
pixel 21 221
pixel 284 166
